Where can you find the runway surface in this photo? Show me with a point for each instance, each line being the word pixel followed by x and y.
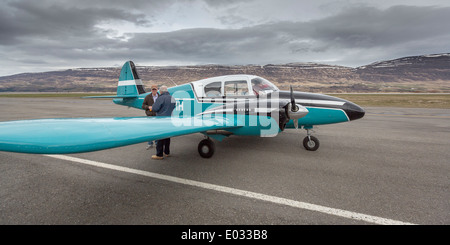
pixel 391 167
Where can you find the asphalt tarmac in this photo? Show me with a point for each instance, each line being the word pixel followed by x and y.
pixel 392 166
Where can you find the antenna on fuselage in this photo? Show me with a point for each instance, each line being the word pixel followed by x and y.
pixel 172 81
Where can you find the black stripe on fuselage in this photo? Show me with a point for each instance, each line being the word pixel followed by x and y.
pixel 352 110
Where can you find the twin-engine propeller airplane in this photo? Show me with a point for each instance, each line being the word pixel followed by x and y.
pixel 216 107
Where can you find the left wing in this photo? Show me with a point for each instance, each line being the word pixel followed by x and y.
pixel 75 135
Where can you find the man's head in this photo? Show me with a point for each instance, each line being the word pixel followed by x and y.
pixel 163 89
pixel 154 88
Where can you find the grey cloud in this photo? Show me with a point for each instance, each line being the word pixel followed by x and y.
pixel 24 19
pixel 203 45
pixel 369 27
pixel 354 29
pixel 353 36
pixel 225 3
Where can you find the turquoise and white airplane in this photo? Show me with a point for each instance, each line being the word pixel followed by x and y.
pixel 217 107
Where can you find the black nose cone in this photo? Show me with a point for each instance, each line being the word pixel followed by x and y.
pixel 353 111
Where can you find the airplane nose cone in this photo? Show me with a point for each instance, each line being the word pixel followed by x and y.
pixel 353 111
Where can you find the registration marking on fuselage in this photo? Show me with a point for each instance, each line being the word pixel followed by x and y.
pixel 238 192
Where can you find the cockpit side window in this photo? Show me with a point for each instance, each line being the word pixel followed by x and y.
pixel 213 89
pixel 262 86
pixel 236 88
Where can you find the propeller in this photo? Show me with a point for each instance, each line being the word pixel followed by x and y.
pixel 295 111
pixel 294 107
pixel 292 111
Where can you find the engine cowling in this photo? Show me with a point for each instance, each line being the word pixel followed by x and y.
pixel 287 113
pixel 291 111
pixel 295 112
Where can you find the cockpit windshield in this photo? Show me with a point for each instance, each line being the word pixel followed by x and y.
pixel 262 86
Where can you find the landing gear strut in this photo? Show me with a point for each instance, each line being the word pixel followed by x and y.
pixel 206 148
pixel 310 142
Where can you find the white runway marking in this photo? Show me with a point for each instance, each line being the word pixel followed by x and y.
pixel 249 194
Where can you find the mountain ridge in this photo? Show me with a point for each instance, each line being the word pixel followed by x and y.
pixel 424 73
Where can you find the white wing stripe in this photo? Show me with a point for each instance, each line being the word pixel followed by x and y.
pixel 320 102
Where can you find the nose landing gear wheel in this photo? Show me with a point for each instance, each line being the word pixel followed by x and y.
pixel 311 143
pixel 206 148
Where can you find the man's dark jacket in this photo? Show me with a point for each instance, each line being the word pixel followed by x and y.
pixel 164 105
pixel 148 101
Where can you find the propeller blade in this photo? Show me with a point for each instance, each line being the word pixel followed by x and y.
pixel 294 107
pixel 292 95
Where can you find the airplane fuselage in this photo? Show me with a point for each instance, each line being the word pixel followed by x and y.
pixel 257 114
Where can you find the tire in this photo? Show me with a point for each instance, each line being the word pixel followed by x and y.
pixel 206 148
pixel 312 145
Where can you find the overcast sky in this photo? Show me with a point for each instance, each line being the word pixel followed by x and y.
pixel 54 34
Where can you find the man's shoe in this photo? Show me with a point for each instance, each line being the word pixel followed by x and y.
pixel 166 155
pixel 157 157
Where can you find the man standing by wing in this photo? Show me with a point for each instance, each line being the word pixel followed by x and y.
pixel 148 102
pixel 163 107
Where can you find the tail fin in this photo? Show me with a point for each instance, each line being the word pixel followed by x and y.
pixel 130 83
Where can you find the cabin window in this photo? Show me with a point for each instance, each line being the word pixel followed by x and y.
pixel 213 89
pixel 236 88
pixel 262 86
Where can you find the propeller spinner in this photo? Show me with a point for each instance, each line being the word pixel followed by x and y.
pixel 295 111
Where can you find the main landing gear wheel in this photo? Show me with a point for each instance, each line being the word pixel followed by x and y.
pixel 206 148
pixel 311 143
